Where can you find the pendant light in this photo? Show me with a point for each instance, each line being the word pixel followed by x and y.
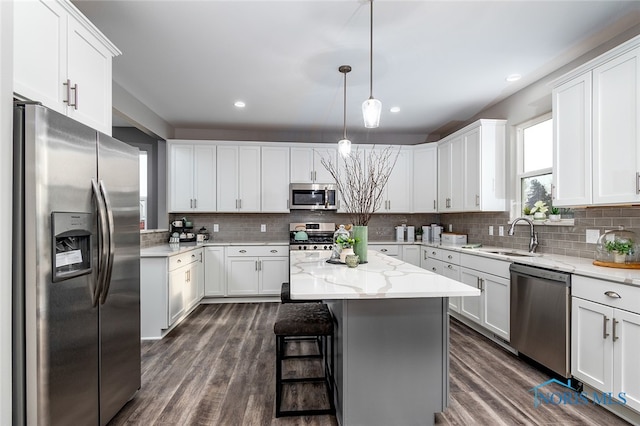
pixel 344 144
pixel 372 107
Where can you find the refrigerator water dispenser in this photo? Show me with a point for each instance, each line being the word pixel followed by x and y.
pixel 71 238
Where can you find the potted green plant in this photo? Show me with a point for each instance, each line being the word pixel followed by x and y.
pixel 526 210
pixel 346 244
pixel 539 210
pixel 620 249
pixel 554 216
pixel 419 234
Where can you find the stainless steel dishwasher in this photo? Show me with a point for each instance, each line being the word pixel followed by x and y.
pixel 540 316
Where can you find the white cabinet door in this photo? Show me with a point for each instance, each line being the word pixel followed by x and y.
pixel 39 52
pixel 411 254
pixel 591 343
pixel 572 142
pixel 451 270
pixel 472 170
pixel 242 276
pixel 204 178
pixel 214 272
pixel 471 307
pixel 177 283
pixel 616 130
pixel 321 174
pixel 89 70
pixel 496 292
pixel 450 175
pixel 238 175
pixel 626 348
pixel 425 178
pixel 306 164
pixel 399 186
pixel 180 177
pixel 275 179
pixel 273 272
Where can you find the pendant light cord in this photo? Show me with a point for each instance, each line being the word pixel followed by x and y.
pixel 371 54
pixel 344 109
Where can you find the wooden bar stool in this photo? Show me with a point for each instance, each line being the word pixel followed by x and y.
pixel 304 320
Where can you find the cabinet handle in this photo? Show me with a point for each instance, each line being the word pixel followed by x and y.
pixel 193 256
pixel 195 203
pixel 240 203
pixel 433 253
pixel 604 327
pixel 259 265
pixel 256 265
pixel 637 183
pixel 450 266
pixel 614 330
pixel 477 200
pixel 384 250
pixel 553 190
pixel 69 89
pixel 243 251
pixel 179 261
pixel 274 251
pixel 75 98
pixel 433 269
pixel 612 294
pixel 450 257
pixel 434 204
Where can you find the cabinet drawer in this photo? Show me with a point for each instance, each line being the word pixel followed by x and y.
pixel 486 265
pixel 596 290
pixel 450 256
pixel 388 249
pixel 183 259
pixel 434 253
pixel 253 251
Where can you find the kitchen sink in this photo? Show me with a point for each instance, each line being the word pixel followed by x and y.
pixel 512 253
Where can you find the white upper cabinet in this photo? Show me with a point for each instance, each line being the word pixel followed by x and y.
pixel 399 188
pixel 425 178
pixel 450 175
pixel 597 130
pixel 192 177
pixel 275 179
pixel 63 61
pixel 572 157
pixel 306 166
pixel 238 178
pixel 472 170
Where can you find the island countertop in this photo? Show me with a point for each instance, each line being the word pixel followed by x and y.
pixel 383 277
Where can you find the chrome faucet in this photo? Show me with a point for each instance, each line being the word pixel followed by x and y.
pixel 533 241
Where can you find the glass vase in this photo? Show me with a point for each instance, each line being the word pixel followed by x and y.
pixel 361 235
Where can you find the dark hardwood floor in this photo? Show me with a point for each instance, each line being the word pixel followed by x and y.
pixel 218 368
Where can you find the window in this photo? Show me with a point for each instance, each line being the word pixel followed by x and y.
pixel 535 161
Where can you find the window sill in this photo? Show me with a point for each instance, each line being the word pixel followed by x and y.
pixel 547 222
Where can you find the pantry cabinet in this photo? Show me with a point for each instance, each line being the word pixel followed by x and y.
pixel 425 178
pixel 191 177
pixel 256 270
pixel 238 178
pixel 605 337
pixel 63 61
pixel 597 131
pixel 274 179
pixel 306 164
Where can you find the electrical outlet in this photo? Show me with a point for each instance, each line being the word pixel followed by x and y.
pixel 501 231
pixel 450 228
pixel 592 236
pixel 216 228
pixel 263 228
pixel 490 229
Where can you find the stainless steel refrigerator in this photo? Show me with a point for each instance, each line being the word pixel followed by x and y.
pixel 76 272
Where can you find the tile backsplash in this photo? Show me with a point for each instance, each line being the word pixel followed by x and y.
pixel 563 240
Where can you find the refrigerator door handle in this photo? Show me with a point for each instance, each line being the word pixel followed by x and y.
pixel 103 253
pixel 111 250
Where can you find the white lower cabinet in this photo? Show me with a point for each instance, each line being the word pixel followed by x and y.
pixel 605 337
pixel 214 274
pixel 256 270
pixel 411 254
pixel 492 309
pixel 388 249
pixel 443 262
pixel 169 288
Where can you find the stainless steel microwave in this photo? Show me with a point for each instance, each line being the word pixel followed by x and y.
pixel 313 196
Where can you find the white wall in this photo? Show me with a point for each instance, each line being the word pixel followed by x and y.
pixel 6 121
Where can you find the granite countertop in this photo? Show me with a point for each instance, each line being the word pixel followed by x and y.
pixel 383 277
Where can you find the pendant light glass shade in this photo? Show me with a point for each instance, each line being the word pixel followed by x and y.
pixel 344 144
pixel 371 109
pixel 344 147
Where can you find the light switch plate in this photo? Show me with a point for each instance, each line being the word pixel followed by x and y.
pixel 592 236
pixel 490 229
pixel 216 228
pixel 501 231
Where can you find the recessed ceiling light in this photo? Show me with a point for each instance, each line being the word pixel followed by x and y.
pixel 513 77
pixel 394 109
pixel 239 104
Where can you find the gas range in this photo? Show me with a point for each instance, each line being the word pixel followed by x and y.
pixel 319 236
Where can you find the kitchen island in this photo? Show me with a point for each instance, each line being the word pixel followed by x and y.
pixel 391 335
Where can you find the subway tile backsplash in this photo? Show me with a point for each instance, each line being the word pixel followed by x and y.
pixel 563 240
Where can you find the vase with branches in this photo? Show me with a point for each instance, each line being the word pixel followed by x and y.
pixel 361 179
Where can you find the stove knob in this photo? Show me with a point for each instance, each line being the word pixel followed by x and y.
pixel 304 247
pixel 315 247
pixel 299 247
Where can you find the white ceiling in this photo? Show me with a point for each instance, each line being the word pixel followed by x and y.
pixel 439 61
